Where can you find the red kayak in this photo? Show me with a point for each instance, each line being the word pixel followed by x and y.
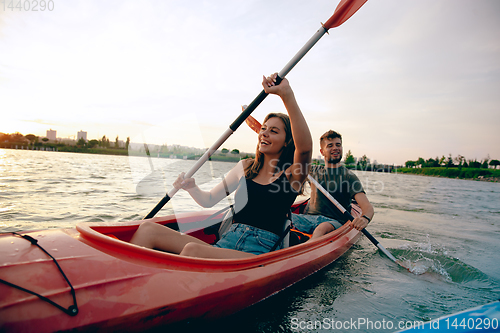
pixel 120 286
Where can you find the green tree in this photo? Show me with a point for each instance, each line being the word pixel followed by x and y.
pixel 92 143
pixel 410 164
pixel 17 137
pixel 432 163
pixel 460 160
pixel 235 151
pixel 225 150
pixel 363 162
pixel 420 161
pixel 127 143
pixel 450 164
pixel 81 142
pixel 104 142
pixel 116 142
pixel 494 163
pixel 474 164
pixel 30 137
pixel 349 159
pixel 45 140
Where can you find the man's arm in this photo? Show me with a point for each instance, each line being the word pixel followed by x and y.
pixel 366 209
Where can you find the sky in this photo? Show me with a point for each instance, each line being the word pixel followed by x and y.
pixel 399 80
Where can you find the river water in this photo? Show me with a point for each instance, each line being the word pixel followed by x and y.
pixel 446 230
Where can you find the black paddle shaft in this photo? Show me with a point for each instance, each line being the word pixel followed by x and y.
pixel 249 109
pixel 158 207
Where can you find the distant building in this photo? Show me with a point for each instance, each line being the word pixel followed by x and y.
pixel 81 135
pixel 51 135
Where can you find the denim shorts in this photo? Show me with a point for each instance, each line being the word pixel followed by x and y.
pixel 307 223
pixel 245 238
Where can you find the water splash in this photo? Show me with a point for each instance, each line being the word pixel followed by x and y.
pixel 428 258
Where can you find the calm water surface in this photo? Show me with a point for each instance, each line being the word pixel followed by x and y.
pixel 447 230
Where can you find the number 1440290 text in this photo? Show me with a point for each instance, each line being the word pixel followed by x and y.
pixel 27 5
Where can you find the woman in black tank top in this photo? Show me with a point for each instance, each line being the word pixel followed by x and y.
pixel 265 188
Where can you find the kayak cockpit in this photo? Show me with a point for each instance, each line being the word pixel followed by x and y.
pixel 114 239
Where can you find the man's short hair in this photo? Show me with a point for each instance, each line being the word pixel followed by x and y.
pixel 329 135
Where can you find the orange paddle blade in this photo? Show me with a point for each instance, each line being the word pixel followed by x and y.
pixel 253 124
pixel 343 12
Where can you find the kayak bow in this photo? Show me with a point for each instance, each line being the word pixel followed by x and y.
pixel 121 286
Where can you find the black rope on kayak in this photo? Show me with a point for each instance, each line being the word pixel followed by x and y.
pixel 73 309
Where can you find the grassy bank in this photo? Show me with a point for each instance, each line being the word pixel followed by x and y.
pixel 461 173
pixel 104 151
pixel 124 152
pixel 113 151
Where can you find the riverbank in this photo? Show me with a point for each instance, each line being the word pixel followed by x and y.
pixel 125 152
pixel 491 175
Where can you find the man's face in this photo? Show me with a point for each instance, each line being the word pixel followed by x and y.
pixel 331 149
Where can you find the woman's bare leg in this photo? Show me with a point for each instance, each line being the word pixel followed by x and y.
pixel 207 251
pixel 155 236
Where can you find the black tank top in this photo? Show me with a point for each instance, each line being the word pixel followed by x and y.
pixel 267 205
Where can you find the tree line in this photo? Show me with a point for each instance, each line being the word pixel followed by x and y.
pixel 36 141
pixel 234 151
pixel 103 143
pixel 361 163
pixel 453 162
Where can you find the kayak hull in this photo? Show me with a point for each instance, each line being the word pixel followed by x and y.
pixel 122 286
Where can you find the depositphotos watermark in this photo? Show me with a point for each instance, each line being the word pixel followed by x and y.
pixel 449 324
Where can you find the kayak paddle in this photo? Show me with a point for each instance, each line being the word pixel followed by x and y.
pixel 255 125
pixel 351 218
pixel 344 10
pixel 152 184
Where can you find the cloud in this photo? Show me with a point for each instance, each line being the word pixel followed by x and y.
pixel 42 122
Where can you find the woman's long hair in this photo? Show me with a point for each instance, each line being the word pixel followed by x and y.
pixel 286 157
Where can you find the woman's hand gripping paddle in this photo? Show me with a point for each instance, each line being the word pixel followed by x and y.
pixel 255 125
pixel 344 10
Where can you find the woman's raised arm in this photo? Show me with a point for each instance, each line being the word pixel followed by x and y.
pixel 300 131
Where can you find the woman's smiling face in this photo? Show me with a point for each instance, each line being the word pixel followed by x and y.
pixel 272 136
